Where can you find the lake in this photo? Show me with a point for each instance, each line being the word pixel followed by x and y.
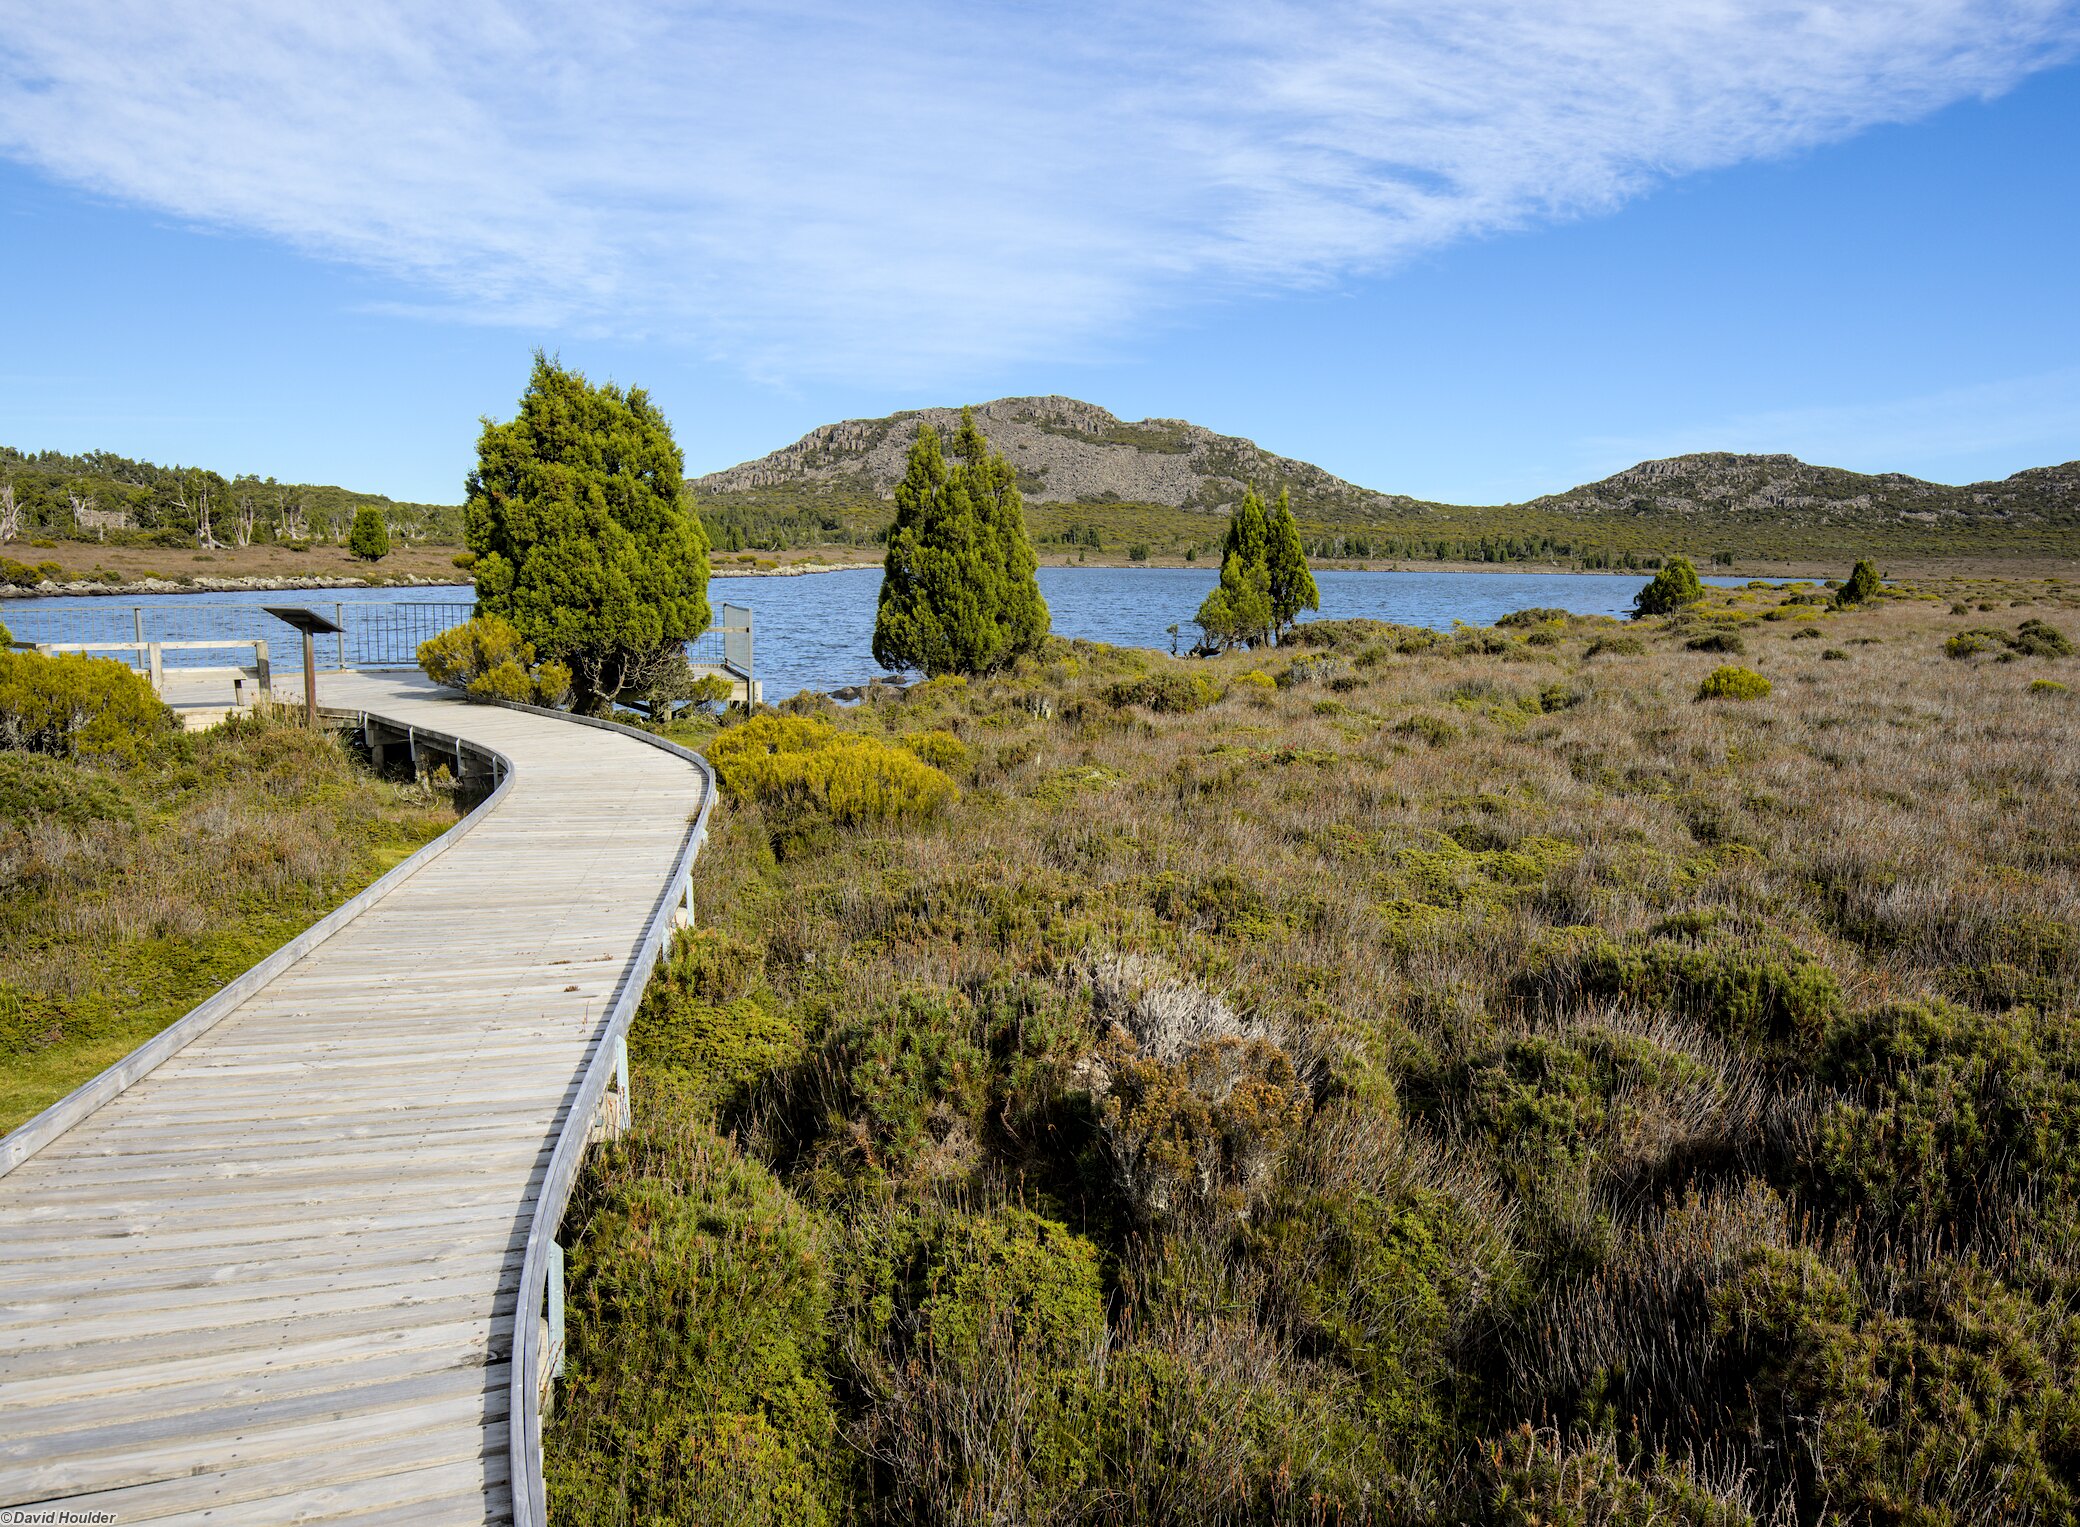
pixel 816 632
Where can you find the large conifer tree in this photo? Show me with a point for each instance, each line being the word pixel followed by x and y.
pixel 584 534
pixel 1021 613
pixel 1290 584
pixel 958 591
pixel 1238 612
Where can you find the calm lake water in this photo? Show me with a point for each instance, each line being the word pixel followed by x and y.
pixel 816 632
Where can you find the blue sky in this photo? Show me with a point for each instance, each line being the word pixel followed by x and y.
pixel 1471 250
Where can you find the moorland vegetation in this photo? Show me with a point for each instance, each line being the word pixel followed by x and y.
pixel 1398 1076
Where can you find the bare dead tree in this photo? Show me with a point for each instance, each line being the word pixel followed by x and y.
pixel 244 529
pixel 205 535
pixel 289 521
pixel 79 506
pixel 10 513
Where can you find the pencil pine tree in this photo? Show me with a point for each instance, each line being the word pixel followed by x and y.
pixel 369 539
pixel 1021 613
pixel 1862 585
pixel 584 535
pixel 1673 588
pixel 1239 610
pixel 1291 585
pixel 958 589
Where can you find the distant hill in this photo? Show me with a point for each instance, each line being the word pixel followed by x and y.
pixel 100 495
pixel 1723 488
pixel 1066 452
pixel 1091 478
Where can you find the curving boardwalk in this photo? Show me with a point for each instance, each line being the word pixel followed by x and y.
pixel 274 1281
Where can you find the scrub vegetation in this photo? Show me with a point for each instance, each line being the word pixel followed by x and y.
pixel 1394 1076
pixel 137 879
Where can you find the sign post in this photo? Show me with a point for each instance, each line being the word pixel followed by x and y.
pixel 311 624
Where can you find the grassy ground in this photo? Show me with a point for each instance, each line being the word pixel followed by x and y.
pixel 1394 1077
pixel 127 896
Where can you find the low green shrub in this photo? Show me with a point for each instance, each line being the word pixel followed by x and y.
pixel 2046 687
pixel 35 788
pixel 941 749
pixel 1953 1400
pixel 2033 638
pixel 1765 995
pixel 488 659
pixel 802 769
pixel 1166 692
pixel 1834 655
pixel 2036 638
pixel 1385 1282
pixel 1732 682
pixel 23 575
pixel 1717 641
pixel 79 707
pixel 1615 646
pixel 1540 615
pixel 1434 730
pixel 708 1019
pixel 697 1306
pixel 941 1286
pixel 1946 1111
pixel 903 1086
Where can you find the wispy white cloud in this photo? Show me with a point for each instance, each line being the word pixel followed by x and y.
pixel 1948 436
pixel 894 193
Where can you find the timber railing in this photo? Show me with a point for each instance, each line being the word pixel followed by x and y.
pixel 538 1314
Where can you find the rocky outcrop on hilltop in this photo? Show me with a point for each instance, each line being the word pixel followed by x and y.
pixel 1066 451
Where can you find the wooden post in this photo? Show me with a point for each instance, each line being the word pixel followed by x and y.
pixel 137 627
pixel 339 651
pixel 310 681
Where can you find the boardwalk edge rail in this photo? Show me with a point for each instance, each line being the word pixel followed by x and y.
pixel 90 1096
pixel 524 1414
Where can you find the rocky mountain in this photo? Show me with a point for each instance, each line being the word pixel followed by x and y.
pixel 1066 451
pixel 1782 490
pixel 1071 452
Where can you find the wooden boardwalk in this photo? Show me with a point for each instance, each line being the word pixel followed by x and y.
pixel 274 1281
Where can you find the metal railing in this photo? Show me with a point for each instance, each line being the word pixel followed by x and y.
pixel 191 632
pixel 727 644
pixel 194 632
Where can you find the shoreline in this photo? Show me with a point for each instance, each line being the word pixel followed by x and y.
pixel 84 588
pixel 162 587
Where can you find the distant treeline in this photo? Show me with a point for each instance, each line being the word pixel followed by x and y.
pixel 99 495
pixel 1640 535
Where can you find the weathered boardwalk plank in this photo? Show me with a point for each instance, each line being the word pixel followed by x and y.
pixel 274 1280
